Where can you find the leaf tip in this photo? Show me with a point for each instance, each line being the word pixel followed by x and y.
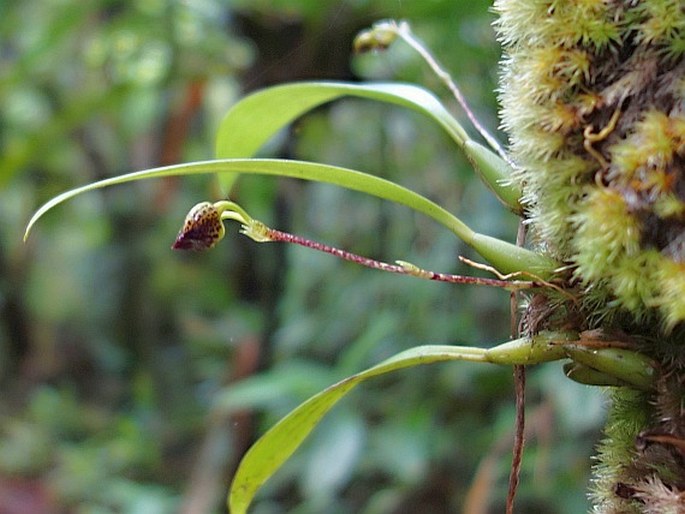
pixel 31 223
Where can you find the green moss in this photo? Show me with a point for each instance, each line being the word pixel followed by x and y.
pixel 634 282
pixel 605 232
pixel 629 414
pixel 592 94
pixel 593 99
pixel 663 24
pixel 671 283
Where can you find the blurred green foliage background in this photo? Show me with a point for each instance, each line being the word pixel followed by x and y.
pixel 133 378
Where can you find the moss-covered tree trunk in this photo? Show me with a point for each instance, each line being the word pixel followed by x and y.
pixel 593 95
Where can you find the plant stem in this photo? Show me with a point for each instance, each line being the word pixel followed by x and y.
pixel 520 392
pixel 517 460
pixel 404 31
pixel 402 268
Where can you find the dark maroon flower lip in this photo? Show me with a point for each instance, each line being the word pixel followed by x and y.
pixel 202 229
pixel 192 241
pixel 182 243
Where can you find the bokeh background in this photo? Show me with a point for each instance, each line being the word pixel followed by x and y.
pixel 133 378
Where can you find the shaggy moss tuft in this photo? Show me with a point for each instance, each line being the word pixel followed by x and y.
pixel 593 97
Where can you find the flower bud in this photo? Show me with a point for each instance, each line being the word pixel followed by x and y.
pixel 379 37
pixel 202 229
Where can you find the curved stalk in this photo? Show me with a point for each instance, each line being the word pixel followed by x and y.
pixel 505 257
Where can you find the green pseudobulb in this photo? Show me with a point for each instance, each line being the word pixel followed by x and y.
pixel 593 99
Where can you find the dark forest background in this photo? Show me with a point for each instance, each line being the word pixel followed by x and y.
pixel 133 378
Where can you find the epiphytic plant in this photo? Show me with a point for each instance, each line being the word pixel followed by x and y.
pixel 593 96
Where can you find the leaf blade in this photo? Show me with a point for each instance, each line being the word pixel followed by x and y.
pixel 506 257
pixel 256 118
pixel 280 442
pixel 267 455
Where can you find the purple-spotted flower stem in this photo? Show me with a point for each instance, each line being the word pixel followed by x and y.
pixel 400 267
pixel 203 228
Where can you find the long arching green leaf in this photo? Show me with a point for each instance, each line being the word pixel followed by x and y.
pixel 268 454
pixel 506 257
pixel 256 118
pixel 279 443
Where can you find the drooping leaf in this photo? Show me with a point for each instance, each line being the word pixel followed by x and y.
pixel 268 454
pixel 256 118
pixel 506 257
